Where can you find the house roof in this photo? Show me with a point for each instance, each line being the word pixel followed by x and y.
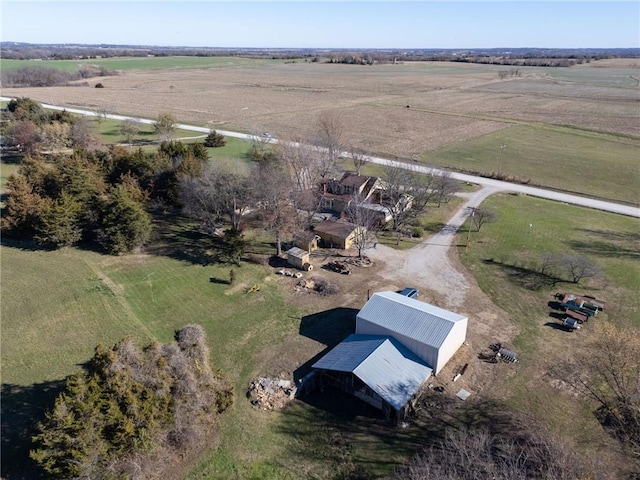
pixel 336 228
pixel 382 363
pixel 409 317
pixel 353 180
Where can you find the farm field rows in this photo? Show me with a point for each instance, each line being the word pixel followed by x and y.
pixel 437 113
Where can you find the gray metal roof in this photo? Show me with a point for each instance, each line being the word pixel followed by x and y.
pixel 297 252
pixel 410 317
pixel 382 363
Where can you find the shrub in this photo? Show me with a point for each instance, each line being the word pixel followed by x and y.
pixel 99 85
pixel 214 139
pixel 417 232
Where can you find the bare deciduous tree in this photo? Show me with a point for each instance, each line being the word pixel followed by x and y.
pixel 216 194
pixel 273 193
pixel 579 267
pixel 165 127
pixel 129 129
pixel 302 162
pixel 445 187
pixel 481 216
pixel 366 219
pixel 330 135
pixel 528 451
pixel 548 263
pixel 102 113
pixel 81 133
pixel 358 158
pixel 406 193
pixel 607 371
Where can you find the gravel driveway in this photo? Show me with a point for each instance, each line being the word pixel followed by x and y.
pixel 428 264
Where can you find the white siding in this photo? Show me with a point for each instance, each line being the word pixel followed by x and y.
pixel 432 333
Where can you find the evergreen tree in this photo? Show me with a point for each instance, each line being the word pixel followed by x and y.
pixel 128 403
pixel 21 215
pixel 60 222
pixel 125 223
pixel 214 139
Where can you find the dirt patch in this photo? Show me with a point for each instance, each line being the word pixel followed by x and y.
pixel 235 289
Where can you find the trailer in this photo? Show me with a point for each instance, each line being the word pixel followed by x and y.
pixel 577 315
pixel 571 324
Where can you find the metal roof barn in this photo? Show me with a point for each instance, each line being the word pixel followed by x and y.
pixel 388 368
pixel 432 333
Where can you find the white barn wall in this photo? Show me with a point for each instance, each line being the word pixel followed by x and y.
pixel 450 346
pixel 433 334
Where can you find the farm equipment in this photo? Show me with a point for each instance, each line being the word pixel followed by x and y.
pixel 339 267
pixel 498 352
pixel 577 315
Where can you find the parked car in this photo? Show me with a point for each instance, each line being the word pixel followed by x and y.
pixel 409 292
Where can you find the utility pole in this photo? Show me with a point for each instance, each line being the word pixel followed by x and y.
pixel 501 152
pixel 470 218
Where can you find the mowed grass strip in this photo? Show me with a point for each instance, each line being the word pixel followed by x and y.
pixel 526 228
pixel 135 63
pixel 587 163
pixel 56 307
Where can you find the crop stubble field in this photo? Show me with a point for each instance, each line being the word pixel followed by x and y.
pixel 410 110
pixel 457 113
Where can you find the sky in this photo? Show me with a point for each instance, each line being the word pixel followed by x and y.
pixel 326 24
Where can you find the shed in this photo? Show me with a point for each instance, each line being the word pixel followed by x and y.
pixel 307 241
pixel 297 257
pixel 432 333
pixel 338 234
pixel 377 369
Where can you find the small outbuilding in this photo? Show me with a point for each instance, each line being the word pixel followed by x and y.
pixel 296 257
pixel 337 234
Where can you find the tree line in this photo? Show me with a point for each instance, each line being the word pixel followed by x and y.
pixel 102 194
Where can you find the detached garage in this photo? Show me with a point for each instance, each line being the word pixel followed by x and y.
pixel 432 333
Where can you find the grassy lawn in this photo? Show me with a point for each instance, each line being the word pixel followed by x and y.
pixel 100 299
pixel 502 258
pixel 96 298
pixel 6 170
pixel 136 63
pixel 583 162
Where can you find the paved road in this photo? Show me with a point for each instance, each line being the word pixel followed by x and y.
pixel 496 185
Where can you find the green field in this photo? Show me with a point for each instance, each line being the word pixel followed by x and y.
pixel 109 131
pixel 135 63
pixel 503 258
pixel 557 157
pixel 81 298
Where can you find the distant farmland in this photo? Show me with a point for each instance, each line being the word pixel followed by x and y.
pixel 575 128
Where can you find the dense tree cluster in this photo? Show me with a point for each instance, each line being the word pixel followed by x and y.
pixel 130 404
pixel 90 195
